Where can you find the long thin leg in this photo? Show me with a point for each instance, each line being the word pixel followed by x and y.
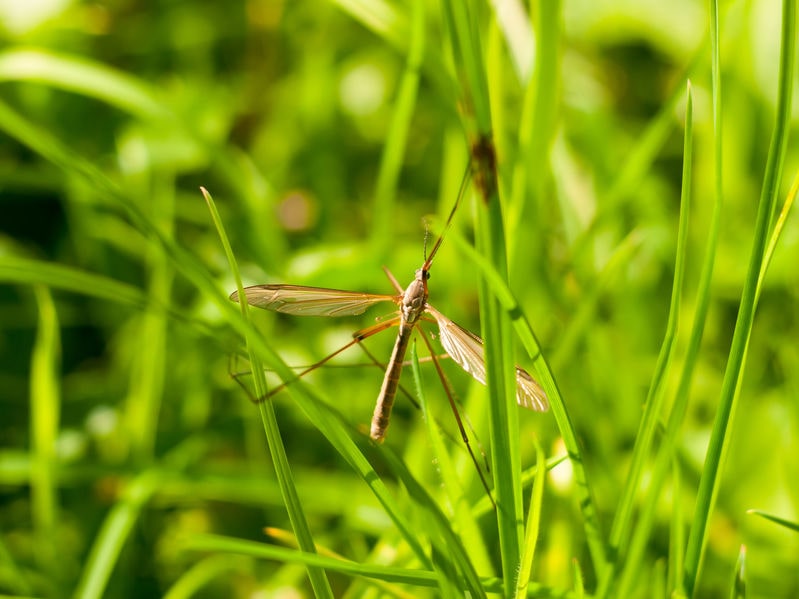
pixel 458 419
pixel 358 336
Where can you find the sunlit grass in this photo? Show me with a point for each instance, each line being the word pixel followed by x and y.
pixel 606 253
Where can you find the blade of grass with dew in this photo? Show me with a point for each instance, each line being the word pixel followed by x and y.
pixel 719 440
pixel 651 417
pixel 533 524
pixel 464 35
pixel 544 376
pixel 462 514
pixel 396 141
pixel 45 416
pixel 299 522
pixel 484 505
pixel 438 526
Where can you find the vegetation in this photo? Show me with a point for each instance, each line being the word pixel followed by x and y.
pixel 626 237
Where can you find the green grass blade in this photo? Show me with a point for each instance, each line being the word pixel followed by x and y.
pixel 81 76
pixel 204 572
pixel 596 541
pixel 532 528
pixel 776 233
pixel 676 535
pixel 217 543
pixel 653 407
pixel 719 441
pixel 28 271
pixel 463 518
pixel 45 406
pixel 317 413
pixel 463 23
pixel 147 376
pixel 277 450
pixel 738 587
pixel 794 526
pixel 538 122
pixel 397 140
pixel 451 554
pixel 113 535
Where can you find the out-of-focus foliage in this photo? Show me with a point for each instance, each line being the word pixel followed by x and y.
pixel 282 110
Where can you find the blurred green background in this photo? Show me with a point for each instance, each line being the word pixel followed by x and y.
pixel 114 114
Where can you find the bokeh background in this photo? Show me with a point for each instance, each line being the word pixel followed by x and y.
pixel 282 111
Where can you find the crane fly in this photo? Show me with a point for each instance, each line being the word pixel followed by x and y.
pixel 464 347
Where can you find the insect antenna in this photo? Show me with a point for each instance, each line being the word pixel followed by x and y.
pixel 461 192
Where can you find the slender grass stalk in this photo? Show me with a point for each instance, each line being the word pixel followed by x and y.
pixel 45 407
pixel 676 534
pixel 147 371
pixel 719 441
pixel 533 524
pixel 503 419
pixel 204 572
pixel 221 544
pixel 114 534
pixel 544 376
pixel 285 479
pixel 650 420
pixel 539 121
pixel 794 526
pixel 671 437
pixel 738 586
pixel 463 518
pixel 397 139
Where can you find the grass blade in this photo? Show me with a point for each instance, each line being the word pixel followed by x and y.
pixel 650 420
pixel 503 419
pixel 45 406
pixel 291 498
pixel 396 142
pixel 533 523
pixel 794 526
pixel 544 376
pixel 719 441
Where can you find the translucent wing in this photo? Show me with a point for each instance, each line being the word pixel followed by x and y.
pixel 310 301
pixel 467 350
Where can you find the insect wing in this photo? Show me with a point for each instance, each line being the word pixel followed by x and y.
pixel 310 301
pixel 467 350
